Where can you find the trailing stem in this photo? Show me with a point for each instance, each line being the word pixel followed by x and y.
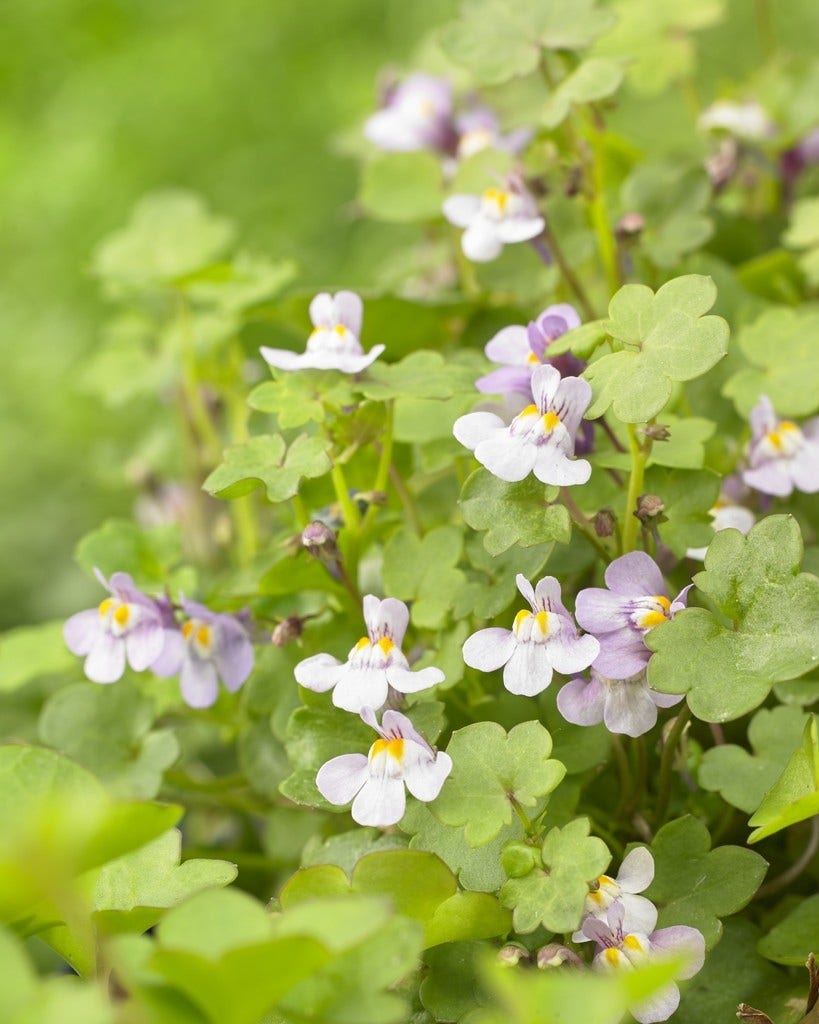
pixel 639 457
pixel 667 763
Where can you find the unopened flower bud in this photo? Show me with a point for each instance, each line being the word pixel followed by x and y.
pixel 650 509
pixel 630 225
pixel 605 522
pixel 656 431
pixel 555 955
pixel 320 540
pixel 287 631
pixel 511 955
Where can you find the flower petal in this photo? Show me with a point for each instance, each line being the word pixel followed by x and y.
pixel 507 457
pixel 143 644
pixel 635 574
pixel 681 939
pixel 581 701
pixel 233 652
pixel 622 654
pixel 770 478
pixel 660 1007
pixel 342 777
pixel 600 611
pixel 481 242
pixel 349 311
pixel 425 777
pixel 553 467
pixel 198 682
pixel 570 653
pixel 636 874
pixel 640 913
pixel 389 618
pixel 380 802
pixel 529 670
pixel 319 673
pixel 461 210
pixel 106 659
pixel 476 427
pixel 520 229
pixel 170 658
pixel 629 709
pixel 358 688
pixel 80 631
pixel 488 649
pixel 507 378
pixel 510 345
pixel 406 681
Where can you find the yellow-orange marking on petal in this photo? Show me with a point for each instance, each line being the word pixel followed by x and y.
pixel 386 644
pixel 106 606
pixel 362 643
pixel 187 629
pixel 122 614
pixel 394 747
pixel 550 421
pixel 520 618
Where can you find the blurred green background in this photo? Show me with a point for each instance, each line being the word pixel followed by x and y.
pixel 102 101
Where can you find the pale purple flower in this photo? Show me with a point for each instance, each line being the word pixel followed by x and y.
pixel 618 949
pixel 375 663
pixel 540 642
pixel 636 874
pixel 208 646
pixel 636 601
pixel 497 217
pixel 376 782
pixel 804 154
pixel 625 706
pixel 781 455
pixel 725 516
pixel 478 129
pixel 539 440
pixel 417 114
pixel 520 349
pixel 334 343
pixel 127 626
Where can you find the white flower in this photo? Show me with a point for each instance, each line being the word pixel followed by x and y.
pixel 725 516
pixel 334 343
pixel 636 874
pixel 497 217
pixel 374 664
pixel 375 783
pixel 540 439
pixel 746 120
pixel 541 641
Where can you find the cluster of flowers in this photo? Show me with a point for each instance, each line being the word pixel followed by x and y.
pixel 623 927
pixel 128 626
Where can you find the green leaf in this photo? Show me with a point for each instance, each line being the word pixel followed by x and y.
pixel 554 894
pixel 766 632
pixel 245 281
pixel 496 41
pixel 452 984
pixel 697 886
pixel 582 340
pixel 402 188
pixel 672 197
pixel 262 462
pixel 133 892
pixel 419 375
pixel 170 234
pixel 148 555
pixel 594 79
pixel 490 771
pixel 297 398
pixel 19 977
pixel 795 795
pixel 423 571
pixel 220 949
pixel 684 448
pixel 494 589
pixel 478 869
pixel 743 778
pixel 733 973
pixel 803 234
pixel 661 339
pixel 107 729
pixel 796 935
pixel 518 513
pixel 774 344
pixel 32 651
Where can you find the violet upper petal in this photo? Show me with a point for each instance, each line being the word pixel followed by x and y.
pixel 635 574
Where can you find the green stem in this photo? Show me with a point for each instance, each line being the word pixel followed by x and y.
pixel 349 509
pixel 795 870
pixel 624 771
pixel 466 271
pixel 599 215
pixel 407 501
pixel 526 821
pixel 210 443
pixel 569 275
pixel 243 509
pixel 639 457
pixel 611 839
pixel 382 474
pixel 300 510
pixel 583 525
pixel 667 763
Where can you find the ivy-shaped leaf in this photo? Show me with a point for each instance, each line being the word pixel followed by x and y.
pixel 659 339
pixel 519 513
pixel 419 375
pixel 794 937
pixel 491 770
pixel 697 886
pixel 297 398
pixel 684 448
pixel 262 462
pixel 419 885
pixel 766 632
pixel 423 571
pixel 594 79
pixel 108 730
pixel 774 344
pixel 31 651
pixel 497 41
pixel 687 500
pixel 795 794
pixel 554 892
pixel 743 778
